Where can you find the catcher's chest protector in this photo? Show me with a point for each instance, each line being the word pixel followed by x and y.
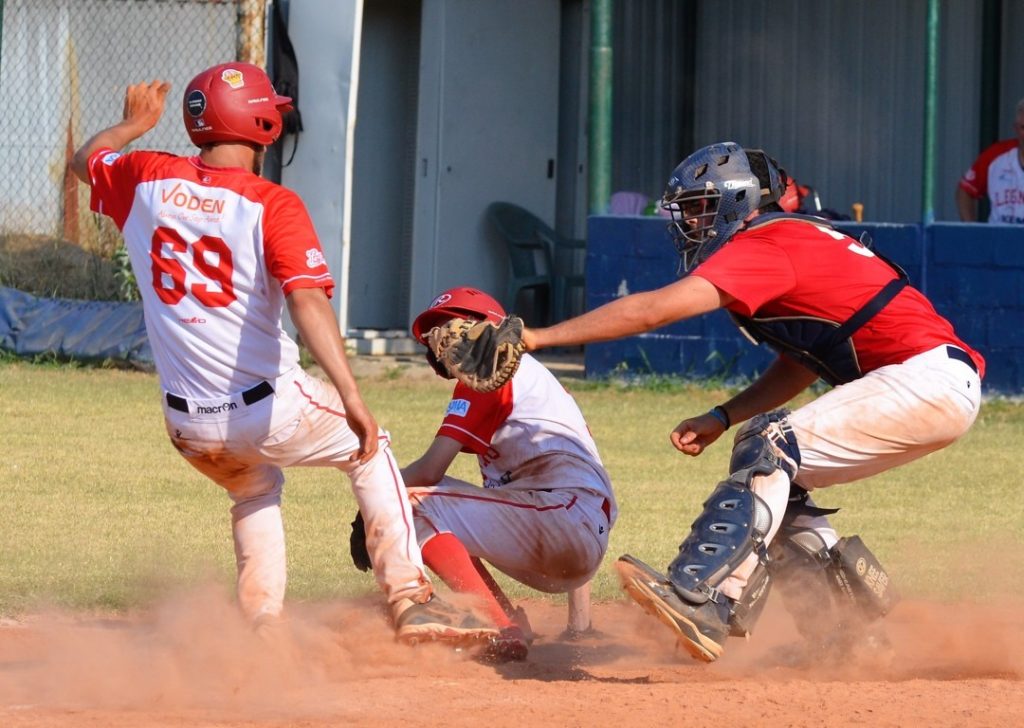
pixel 823 346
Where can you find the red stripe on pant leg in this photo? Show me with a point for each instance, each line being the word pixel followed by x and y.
pixel 399 489
pixel 317 404
pixel 539 509
pixel 415 500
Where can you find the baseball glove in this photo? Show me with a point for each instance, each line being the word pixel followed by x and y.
pixel 357 544
pixel 480 354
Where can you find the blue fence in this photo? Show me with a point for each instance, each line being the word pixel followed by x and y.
pixel 974 274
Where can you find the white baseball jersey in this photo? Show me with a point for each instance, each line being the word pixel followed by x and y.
pixel 997 172
pixel 529 417
pixel 216 251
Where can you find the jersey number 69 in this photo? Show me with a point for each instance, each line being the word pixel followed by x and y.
pixel 168 246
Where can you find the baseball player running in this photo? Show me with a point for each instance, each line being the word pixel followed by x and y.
pixel 546 507
pixel 218 253
pixel 904 385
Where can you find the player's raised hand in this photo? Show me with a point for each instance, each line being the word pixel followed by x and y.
pixel 693 435
pixel 144 104
pixel 365 427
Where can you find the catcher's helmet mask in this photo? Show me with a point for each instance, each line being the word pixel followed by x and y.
pixel 711 194
pixel 233 102
pixel 460 302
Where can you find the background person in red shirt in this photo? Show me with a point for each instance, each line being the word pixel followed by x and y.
pixel 998 175
pixel 904 385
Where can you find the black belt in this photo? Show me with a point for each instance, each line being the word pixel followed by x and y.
pixel 955 352
pixel 249 396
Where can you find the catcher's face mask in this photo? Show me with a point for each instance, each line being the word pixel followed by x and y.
pixel 711 194
pixel 693 221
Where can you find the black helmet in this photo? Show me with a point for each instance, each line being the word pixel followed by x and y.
pixel 712 192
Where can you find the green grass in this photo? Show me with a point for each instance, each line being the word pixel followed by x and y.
pixel 99 511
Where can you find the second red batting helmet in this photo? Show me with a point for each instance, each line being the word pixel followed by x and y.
pixel 233 102
pixel 461 302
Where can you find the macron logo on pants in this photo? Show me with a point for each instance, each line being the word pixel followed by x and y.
pixel 215 409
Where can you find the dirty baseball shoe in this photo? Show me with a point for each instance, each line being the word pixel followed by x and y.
pixel 509 645
pixel 435 620
pixel 700 629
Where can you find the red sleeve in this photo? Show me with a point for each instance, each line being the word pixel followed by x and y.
pixel 975 180
pixel 291 247
pixel 112 178
pixel 473 418
pixel 750 268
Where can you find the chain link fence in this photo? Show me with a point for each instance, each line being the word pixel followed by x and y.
pixel 64 65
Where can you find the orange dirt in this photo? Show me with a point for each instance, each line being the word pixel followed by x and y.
pixel 190 662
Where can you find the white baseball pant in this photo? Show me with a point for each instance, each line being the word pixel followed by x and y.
pixel 886 418
pixel 547 529
pixel 243 448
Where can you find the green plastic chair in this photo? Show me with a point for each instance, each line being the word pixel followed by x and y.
pixel 539 258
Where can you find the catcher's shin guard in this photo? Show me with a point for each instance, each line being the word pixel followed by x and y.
pixel 733 525
pixel 834 595
pixel 798 562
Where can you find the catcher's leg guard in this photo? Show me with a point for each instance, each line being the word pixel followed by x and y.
pixel 835 595
pixel 735 521
pixel 799 562
pixel 747 609
pixel 733 525
pixel 766 440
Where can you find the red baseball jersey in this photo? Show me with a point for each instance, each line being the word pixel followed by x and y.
pixel 215 251
pixel 531 416
pixel 797 268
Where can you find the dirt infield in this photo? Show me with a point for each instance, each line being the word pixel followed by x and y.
pixel 190 662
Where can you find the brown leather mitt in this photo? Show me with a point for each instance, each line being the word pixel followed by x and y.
pixel 480 354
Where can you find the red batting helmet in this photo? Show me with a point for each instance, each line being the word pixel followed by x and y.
pixel 233 102
pixel 459 302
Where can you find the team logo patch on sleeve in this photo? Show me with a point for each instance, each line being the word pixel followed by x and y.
pixel 315 258
pixel 458 407
pixel 109 159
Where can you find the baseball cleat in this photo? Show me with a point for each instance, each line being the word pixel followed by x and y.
pixel 699 628
pixel 509 645
pixel 438 621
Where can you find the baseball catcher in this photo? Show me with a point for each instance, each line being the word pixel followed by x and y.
pixel 903 385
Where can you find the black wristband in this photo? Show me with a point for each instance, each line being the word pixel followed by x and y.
pixel 719 413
